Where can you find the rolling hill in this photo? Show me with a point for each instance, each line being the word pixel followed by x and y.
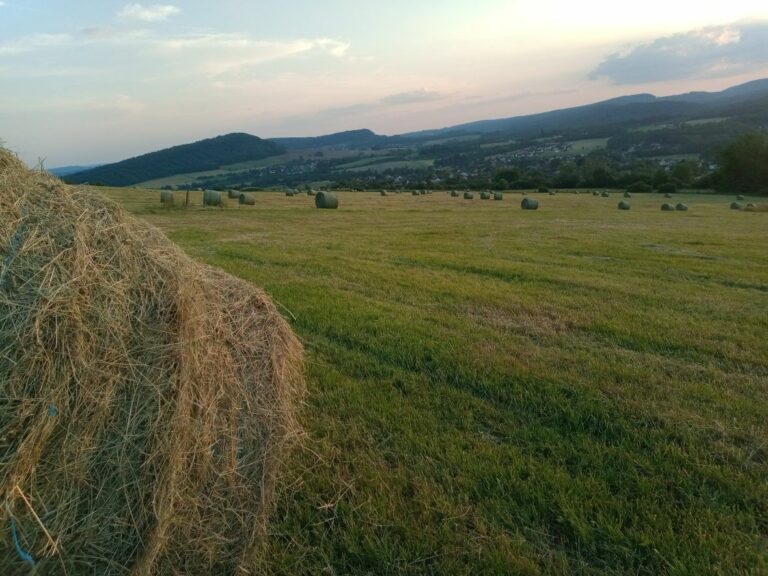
pixel 206 154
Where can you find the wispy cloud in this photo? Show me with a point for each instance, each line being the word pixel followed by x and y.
pixel 220 54
pixel 153 13
pixel 33 42
pixel 411 97
pixel 716 50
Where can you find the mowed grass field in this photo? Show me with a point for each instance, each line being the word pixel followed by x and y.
pixel 576 390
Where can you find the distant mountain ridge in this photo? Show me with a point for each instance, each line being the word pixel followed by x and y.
pixel 748 101
pixel 207 154
pixel 624 109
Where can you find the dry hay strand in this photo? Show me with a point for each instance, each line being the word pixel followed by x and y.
pixel 146 400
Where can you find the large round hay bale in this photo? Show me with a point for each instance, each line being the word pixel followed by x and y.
pixel 485 195
pixel 605 194
pixel 469 196
pixel 423 192
pixel 383 192
pixel 552 192
pixel 415 193
pixel 627 195
pixel 146 398
pixel 735 206
pixel 666 207
pixel 498 196
pixel 667 195
pixel 595 193
pixel 740 197
pixel 166 197
pixel 680 207
pixel 233 194
pixel 750 206
pixel 327 200
pixel 211 198
pixel 290 193
pixel 529 204
pixel 454 194
pixel 624 205
pixel 247 199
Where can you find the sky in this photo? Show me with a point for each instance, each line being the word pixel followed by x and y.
pixel 85 82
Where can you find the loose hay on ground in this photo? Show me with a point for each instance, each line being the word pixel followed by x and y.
pixel 146 399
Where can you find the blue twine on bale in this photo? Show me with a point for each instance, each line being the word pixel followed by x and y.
pixel 23 554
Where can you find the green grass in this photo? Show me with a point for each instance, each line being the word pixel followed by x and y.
pixel 586 146
pixel 576 390
pixel 379 166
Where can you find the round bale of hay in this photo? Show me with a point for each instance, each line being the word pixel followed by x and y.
pixel 166 197
pixel 310 192
pixel 485 195
pixel 423 192
pixel 680 207
pixel 233 194
pixel 740 197
pixel 552 192
pixel 525 193
pixel 454 194
pixel 326 200
pixel 735 206
pixel 529 204
pixel 750 206
pixel 290 193
pixel 383 192
pixel 415 193
pixel 605 195
pixel 627 195
pixel 247 199
pixel 667 195
pixel 498 196
pixel 147 399
pixel 624 205
pixel 469 196
pixel 666 207
pixel 595 193
pixel 211 198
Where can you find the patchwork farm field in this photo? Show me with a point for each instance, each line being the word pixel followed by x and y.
pixel 576 390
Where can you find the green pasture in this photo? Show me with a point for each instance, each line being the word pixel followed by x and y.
pixel 573 390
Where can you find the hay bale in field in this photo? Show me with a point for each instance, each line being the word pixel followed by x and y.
pixel 605 194
pixel 146 398
pixel 211 198
pixel 498 196
pixel 247 200
pixel 383 192
pixel 415 193
pixel 166 197
pixel 667 195
pixel 326 200
pixel 552 192
pixel 469 195
pixel 680 207
pixel 595 193
pixel 529 204
pixel 627 195
pixel 524 193
pixel 667 207
pixel 310 192
pixel 624 205
pixel 740 197
pixel 423 192
pixel 454 194
pixel 233 194
pixel 290 193
pixel 735 206
pixel 485 195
